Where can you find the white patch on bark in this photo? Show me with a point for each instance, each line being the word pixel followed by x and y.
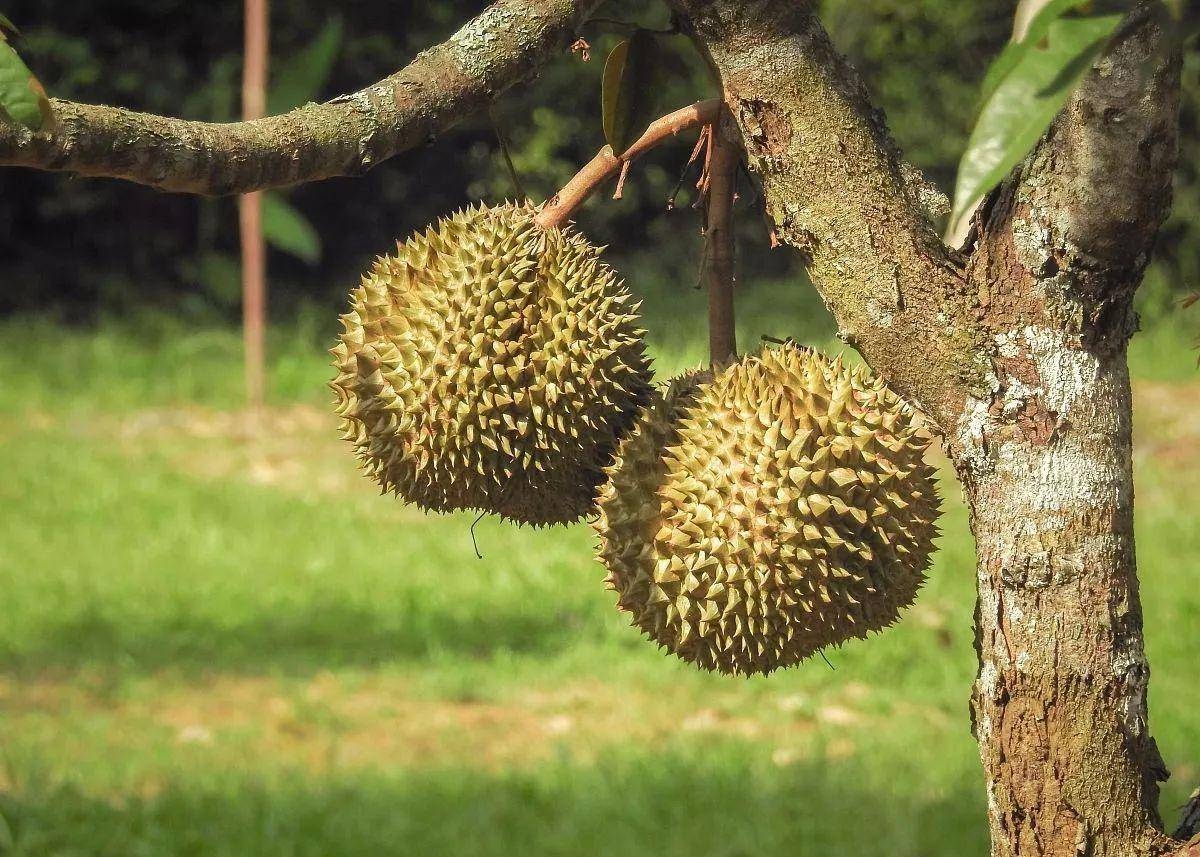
pixel 971 435
pixel 1067 371
pixel 1069 471
pixel 880 315
pixel 474 44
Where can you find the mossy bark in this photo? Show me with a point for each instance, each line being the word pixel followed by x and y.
pixel 346 136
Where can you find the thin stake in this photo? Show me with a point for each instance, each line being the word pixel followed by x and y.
pixel 253 244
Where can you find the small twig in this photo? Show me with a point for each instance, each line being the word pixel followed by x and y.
pixel 580 46
pixel 706 174
pixel 703 262
pixel 474 543
pixel 508 161
pixel 700 141
pixel 605 164
pixel 821 652
pixel 755 196
pixel 621 179
pixel 686 167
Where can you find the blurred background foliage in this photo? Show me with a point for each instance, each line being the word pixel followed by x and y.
pixel 83 250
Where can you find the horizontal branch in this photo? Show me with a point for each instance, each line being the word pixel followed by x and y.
pixel 346 136
pixel 606 165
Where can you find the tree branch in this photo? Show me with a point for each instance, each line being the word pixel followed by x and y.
pixel 347 136
pixel 605 165
pixel 1189 821
pixel 1076 222
pixel 837 190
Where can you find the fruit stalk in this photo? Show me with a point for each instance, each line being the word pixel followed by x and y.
pixel 559 208
pixel 718 238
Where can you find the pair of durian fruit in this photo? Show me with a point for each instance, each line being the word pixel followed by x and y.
pixel 748 514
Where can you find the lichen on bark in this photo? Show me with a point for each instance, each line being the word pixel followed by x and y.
pixel 345 136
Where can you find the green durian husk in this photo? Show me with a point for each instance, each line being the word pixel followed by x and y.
pixel 492 365
pixel 761 512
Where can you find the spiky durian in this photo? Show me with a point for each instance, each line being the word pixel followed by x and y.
pixel 759 513
pixel 491 364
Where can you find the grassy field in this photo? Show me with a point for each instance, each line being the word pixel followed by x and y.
pixel 217 641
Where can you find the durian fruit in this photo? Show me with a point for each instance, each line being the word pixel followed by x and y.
pixel 491 364
pixel 761 512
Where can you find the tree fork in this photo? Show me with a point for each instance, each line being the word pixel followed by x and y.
pixel 1045 457
pixel 1018 354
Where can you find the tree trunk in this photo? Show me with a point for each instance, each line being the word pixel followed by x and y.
pixel 1015 346
pixel 1044 451
pixel 1059 706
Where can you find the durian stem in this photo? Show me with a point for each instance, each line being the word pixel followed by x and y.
pixel 718 239
pixel 558 209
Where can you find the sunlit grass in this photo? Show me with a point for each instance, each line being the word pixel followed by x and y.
pixel 223 643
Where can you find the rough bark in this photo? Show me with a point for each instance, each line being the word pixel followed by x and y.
pixel 1019 353
pixel 343 137
pixel 1045 458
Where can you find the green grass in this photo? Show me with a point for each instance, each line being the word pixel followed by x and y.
pixel 217 642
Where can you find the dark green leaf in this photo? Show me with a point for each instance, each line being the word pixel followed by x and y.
pixel 288 230
pixel 1040 15
pixel 1034 17
pixel 220 275
pixel 22 98
pixel 302 77
pixel 1024 103
pixel 627 90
